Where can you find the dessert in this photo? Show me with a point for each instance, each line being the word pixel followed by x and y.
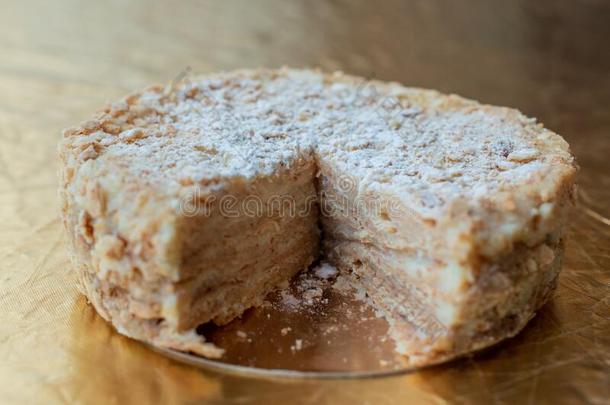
pixel 189 203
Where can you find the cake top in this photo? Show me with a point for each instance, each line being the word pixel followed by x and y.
pixel 251 123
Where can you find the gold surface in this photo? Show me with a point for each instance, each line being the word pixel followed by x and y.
pixel 61 60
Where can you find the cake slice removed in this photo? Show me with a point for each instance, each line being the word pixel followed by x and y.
pixel 189 204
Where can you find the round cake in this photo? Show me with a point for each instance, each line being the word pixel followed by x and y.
pixel 189 203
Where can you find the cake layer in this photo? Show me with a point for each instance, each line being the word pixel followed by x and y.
pixel 434 280
pixel 208 254
pixel 361 209
pixel 237 243
pixel 430 326
pixel 257 274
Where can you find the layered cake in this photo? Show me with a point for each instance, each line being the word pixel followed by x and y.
pixel 189 203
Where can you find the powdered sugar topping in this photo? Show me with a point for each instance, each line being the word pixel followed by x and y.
pixel 252 123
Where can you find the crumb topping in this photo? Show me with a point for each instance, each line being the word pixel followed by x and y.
pixel 248 123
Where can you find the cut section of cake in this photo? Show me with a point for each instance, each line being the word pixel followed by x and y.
pixel 189 204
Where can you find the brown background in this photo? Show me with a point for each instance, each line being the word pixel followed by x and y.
pixel 61 60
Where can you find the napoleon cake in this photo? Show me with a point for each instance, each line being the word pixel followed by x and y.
pixel 189 203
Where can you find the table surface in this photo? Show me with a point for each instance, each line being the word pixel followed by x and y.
pixel 62 60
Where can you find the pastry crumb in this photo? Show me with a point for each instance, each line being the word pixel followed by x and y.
pixel 298 345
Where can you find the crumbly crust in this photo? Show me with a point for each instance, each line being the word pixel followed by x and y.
pixel 467 183
pixel 505 297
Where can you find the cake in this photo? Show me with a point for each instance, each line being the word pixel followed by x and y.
pixel 189 203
